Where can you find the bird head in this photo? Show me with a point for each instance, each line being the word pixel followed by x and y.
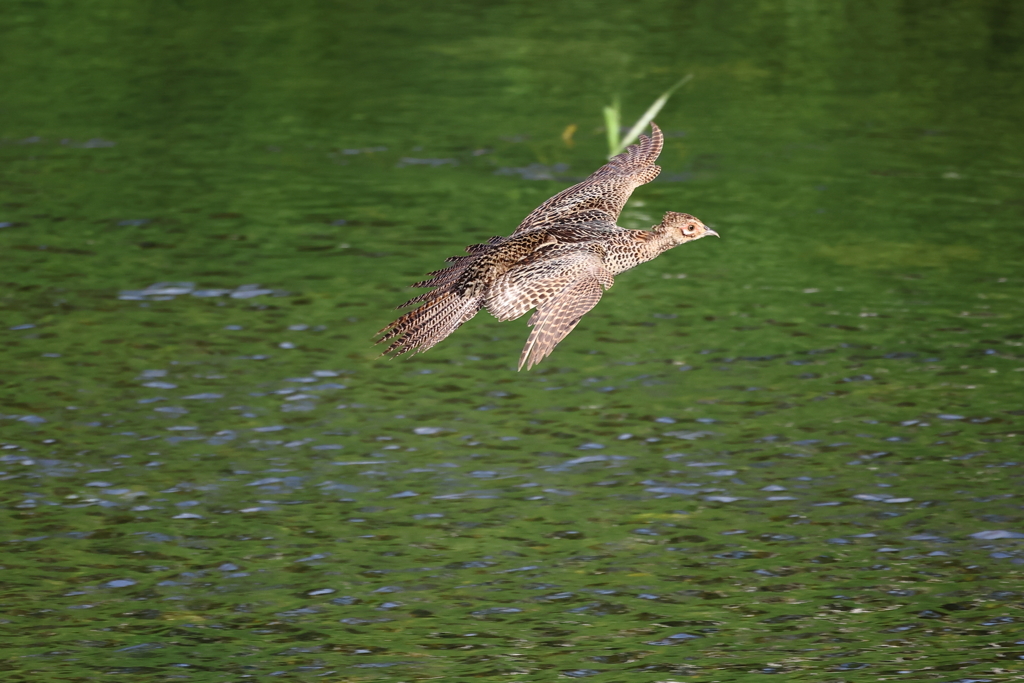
pixel 683 227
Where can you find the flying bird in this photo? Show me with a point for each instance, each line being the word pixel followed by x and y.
pixel 558 261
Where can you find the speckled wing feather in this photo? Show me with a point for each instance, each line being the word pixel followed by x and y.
pixel 554 320
pixel 543 277
pixel 601 196
pixel 562 284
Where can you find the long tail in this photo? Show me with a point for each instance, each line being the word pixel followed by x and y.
pixel 424 327
pixel 442 310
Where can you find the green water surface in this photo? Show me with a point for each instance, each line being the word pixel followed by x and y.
pixel 795 450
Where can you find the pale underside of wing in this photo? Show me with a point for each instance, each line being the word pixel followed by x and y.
pixel 562 288
pixel 553 321
pixel 601 196
pixel 534 283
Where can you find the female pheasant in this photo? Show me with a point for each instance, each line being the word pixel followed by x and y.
pixel 558 261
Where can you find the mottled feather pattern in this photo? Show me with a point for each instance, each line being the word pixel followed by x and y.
pixel 532 285
pixel 422 328
pixel 554 320
pixel 558 261
pixel 607 189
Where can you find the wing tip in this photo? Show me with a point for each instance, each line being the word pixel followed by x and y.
pixel 655 143
pixel 644 151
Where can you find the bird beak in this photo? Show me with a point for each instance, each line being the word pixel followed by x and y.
pixel 709 231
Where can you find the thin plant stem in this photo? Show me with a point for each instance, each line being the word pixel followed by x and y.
pixel 612 123
pixel 611 115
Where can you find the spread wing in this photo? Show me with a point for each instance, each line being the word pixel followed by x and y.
pixel 556 319
pixel 563 287
pixel 601 196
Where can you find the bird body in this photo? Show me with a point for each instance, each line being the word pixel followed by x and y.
pixel 558 261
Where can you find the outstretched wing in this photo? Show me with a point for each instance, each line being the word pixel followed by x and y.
pixel 556 319
pixel 561 285
pixel 534 283
pixel 601 196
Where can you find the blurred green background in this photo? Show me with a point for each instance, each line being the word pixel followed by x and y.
pixel 794 450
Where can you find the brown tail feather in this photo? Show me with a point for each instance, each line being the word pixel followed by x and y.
pixel 424 327
pixel 443 310
pixel 486 246
pixel 444 277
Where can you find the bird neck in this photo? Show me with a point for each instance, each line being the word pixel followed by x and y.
pixel 659 240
